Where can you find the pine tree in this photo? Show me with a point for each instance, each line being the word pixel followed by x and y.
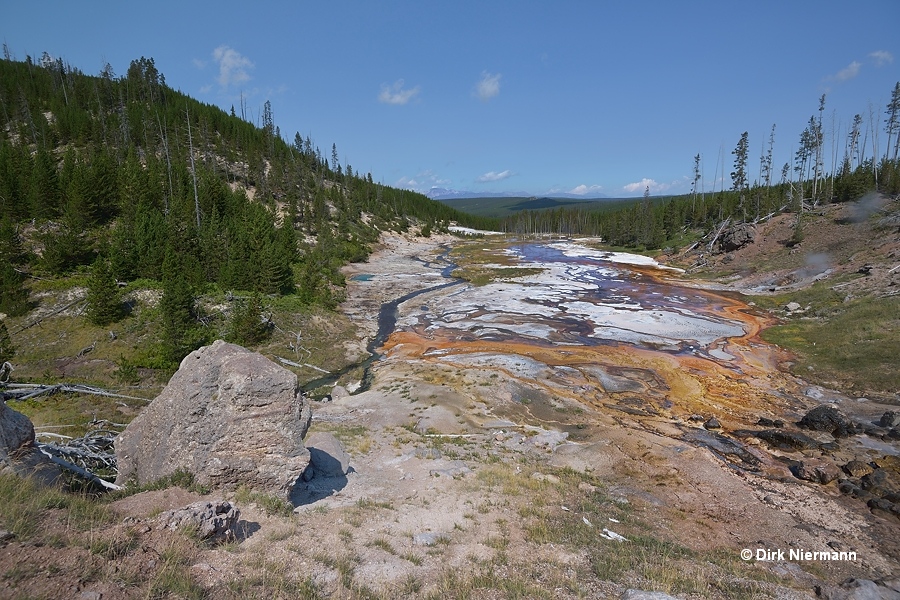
pixel 104 302
pixel 7 350
pixel 739 175
pixel 13 293
pixel 247 328
pixel 177 305
pixel 892 122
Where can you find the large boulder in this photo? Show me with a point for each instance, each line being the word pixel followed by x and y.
pixel 18 453
pixel 327 456
pixel 16 433
pixel 229 417
pixel 737 237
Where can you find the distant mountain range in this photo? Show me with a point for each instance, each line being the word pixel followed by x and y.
pixel 438 193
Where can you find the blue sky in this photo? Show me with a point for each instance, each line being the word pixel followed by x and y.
pixel 535 97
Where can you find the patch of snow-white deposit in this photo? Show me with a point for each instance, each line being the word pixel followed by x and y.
pixel 540 304
pixel 573 249
pixel 470 231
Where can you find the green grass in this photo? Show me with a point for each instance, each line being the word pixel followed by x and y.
pixel 272 505
pixel 853 345
pixel 174 578
pixel 356 439
pixel 24 503
pixel 179 478
pixel 71 414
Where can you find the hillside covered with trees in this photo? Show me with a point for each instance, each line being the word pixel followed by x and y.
pixel 829 166
pixel 122 179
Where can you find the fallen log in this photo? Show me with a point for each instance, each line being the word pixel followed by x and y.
pixel 77 470
pixel 24 391
pixel 719 232
pixel 291 363
pixel 38 320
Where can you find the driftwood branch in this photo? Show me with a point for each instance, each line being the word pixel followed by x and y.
pixel 719 232
pixel 76 469
pixel 301 365
pixel 87 455
pixel 24 391
pixel 38 320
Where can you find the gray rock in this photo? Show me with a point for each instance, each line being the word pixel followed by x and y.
pixel 215 519
pixel 828 418
pixel 890 419
pixel 712 423
pixel 547 439
pixel 327 457
pixel 454 469
pixel 428 538
pixel 228 416
pixel 642 595
pixel 16 432
pixel 817 471
pixel 338 392
pixel 857 468
pixel 737 237
pixel 861 589
pixel 792 307
pixel 18 453
pixel 427 453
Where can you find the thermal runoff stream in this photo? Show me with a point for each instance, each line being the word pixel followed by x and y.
pixel 613 332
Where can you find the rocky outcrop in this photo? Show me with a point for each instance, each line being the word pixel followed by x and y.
pixel 817 471
pixel 229 417
pixel 327 456
pixel 863 589
pixel 18 453
pixel 737 237
pixel 890 419
pixel 209 520
pixel 878 483
pixel 857 468
pixel 784 440
pixel 16 432
pixel 830 419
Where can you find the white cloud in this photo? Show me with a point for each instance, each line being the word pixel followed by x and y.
pixel 488 87
pixel 200 64
pixel 643 184
pixel 422 181
pixel 233 67
pixel 582 189
pixel 395 94
pixel 847 73
pixel 882 57
pixel 492 176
